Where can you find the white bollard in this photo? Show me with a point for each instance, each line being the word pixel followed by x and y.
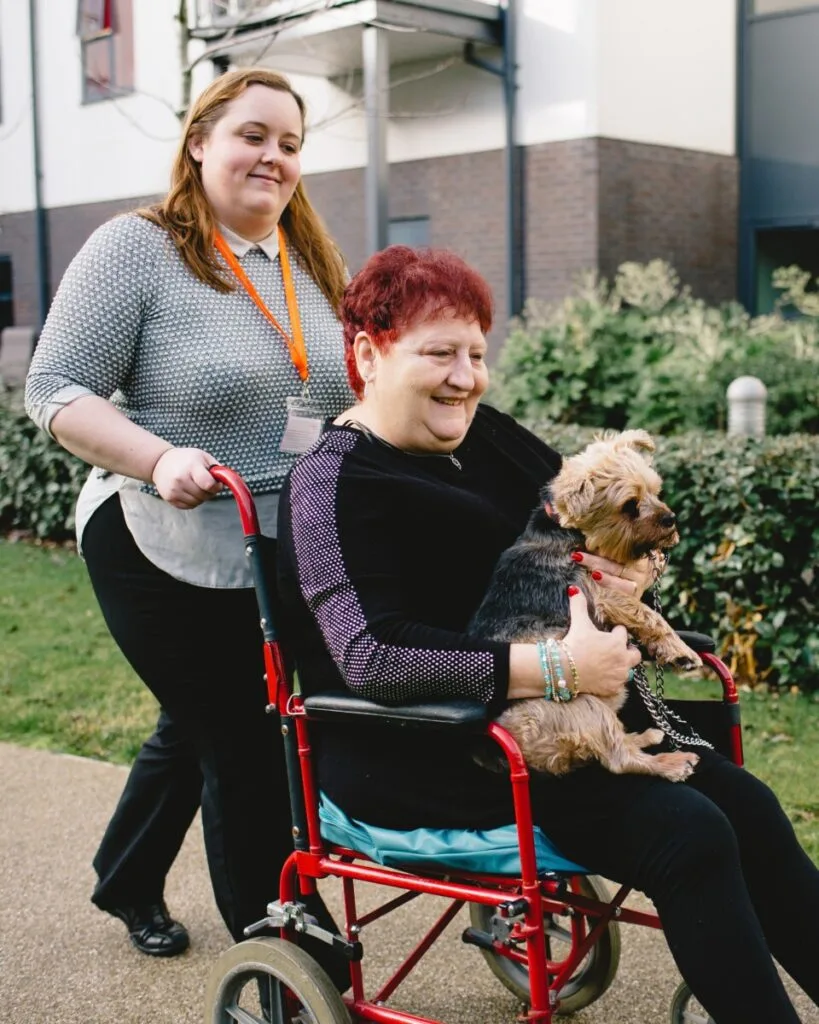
pixel 746 406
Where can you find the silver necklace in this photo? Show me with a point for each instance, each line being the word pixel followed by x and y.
pixel 372 436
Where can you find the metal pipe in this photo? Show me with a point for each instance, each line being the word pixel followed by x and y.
pixel 515 265
pixel 376 100
pixel 40 222
pixel 515 243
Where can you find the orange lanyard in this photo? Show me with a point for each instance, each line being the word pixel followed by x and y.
pixel 295 345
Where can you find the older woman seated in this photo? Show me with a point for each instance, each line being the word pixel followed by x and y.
pixel 389 531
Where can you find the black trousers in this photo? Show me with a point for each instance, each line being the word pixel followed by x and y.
pixel 719 858
pixel 199 650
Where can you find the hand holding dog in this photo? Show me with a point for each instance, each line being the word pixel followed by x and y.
pixel 603 659
pixel 632 579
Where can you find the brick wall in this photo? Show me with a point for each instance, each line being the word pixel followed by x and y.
pixel 18 240
pixel 561 181
pixel 678 204
pixel 590 203
pixel 463 196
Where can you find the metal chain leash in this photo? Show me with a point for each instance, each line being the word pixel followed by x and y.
pixel 661 714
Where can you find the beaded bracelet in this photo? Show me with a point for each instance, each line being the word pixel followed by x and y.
pixel 562 691
pixel 546 668
pixel 572 665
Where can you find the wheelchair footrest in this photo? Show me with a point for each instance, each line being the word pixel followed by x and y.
pixel 475 937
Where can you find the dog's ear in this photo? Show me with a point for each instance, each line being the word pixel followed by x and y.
pixel 639 440
pixel 572 492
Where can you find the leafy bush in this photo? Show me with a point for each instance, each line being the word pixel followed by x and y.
pixel 641 352
pixel 747 564
pixel 39 480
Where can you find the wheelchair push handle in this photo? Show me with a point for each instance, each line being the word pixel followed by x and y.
pixel 244 499
pixel 253 540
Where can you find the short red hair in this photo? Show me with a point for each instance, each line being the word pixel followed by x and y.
pixel 400 287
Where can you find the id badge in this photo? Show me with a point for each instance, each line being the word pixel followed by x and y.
pixel 304 426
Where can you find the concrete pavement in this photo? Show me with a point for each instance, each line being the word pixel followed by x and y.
pixel 64 962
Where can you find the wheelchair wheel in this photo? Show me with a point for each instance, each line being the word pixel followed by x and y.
pixel 687 1009
pixel 593 975
pixel 271 981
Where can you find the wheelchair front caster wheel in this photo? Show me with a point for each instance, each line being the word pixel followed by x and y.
pixel 687 1009
pixel 271 981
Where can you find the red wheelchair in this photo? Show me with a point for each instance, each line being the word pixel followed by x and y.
pixel 549 931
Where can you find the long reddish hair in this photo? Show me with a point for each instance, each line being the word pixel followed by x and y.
pixel 186 214
pixel 400 287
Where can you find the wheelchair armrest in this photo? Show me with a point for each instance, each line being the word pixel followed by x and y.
pixel 698 642
pixel 337 707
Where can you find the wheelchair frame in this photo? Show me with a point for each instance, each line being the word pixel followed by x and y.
pixel 521 903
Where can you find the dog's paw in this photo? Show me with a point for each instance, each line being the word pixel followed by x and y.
pixel 672 651
pixel 687 662
pixel 676 767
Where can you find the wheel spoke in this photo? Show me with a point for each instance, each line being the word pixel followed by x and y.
pixel 242 1016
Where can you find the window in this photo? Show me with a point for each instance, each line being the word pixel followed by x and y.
pixel 412 231
pixel 6 301
pixel 106 31
pixel 782 247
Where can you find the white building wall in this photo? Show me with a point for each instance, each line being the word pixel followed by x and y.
pixel 16 145
pixel 97 151
pixel 116 148
pixel 667 72
pixel 439 110
pixel 655 71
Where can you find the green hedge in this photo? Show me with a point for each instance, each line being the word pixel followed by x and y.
pixel 642 352
pixel 747 564
pixel 39 480
pixel 745 570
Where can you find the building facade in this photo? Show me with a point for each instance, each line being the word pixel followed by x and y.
pixel 625 128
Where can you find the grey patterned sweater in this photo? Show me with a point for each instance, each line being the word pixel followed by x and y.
pixel 195 366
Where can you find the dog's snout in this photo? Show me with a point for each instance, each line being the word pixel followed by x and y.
pixel 668 519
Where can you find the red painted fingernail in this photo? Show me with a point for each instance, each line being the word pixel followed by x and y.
pixel 597 575
pixel 573 591
pixel 577 556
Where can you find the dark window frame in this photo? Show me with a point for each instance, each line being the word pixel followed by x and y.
pixel 420 219
pixel 7 297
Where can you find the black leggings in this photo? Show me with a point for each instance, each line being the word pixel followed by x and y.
pixel 720 860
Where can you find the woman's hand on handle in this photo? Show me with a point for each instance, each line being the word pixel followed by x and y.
pixel 603 659
pixel 182 477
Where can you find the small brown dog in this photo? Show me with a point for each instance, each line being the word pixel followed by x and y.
pixel 605 500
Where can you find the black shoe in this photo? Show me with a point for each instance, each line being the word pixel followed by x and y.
pixel 152 929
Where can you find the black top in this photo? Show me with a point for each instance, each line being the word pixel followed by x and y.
pixel 384 557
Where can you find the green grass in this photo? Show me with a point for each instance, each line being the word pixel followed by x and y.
pixel 63 683
pixel 780 737
pixel 65 686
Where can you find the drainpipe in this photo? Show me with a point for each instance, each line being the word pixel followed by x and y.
pixel 507 71
pixel 40 221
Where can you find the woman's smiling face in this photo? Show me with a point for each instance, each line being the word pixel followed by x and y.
pixel 424 388
pixel 251 160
